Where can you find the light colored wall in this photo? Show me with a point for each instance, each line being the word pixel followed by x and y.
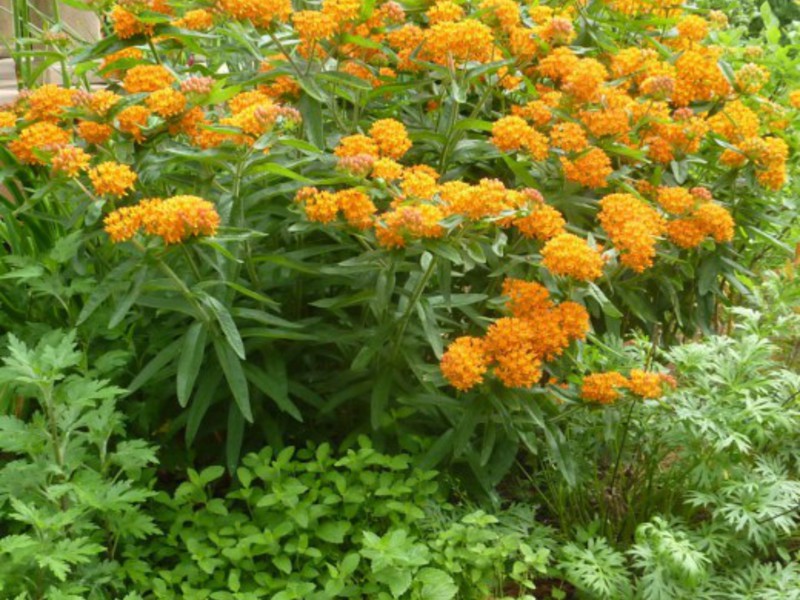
pixel 6 26
pixel 84 23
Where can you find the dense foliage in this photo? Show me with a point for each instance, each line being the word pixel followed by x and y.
pixel 455 299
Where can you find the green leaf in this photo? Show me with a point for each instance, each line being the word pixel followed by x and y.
pixel 436 584
pixel 206 388
pixel 234 374
pixel 380 397
pixel 152 368
pixel 133 294
pixel 104 290
pixel 398 580
pixel 194 344
pixel 707 274
pixel 235 437
pixel 283 563
pixel 274 382
pixel 333 532
pixel 226 323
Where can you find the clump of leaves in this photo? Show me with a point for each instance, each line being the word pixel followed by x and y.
pixel 70 491
pixel 309 525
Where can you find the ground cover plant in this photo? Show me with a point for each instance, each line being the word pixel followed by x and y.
pixel 507 241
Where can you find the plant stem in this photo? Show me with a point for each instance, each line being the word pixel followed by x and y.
pixel 421 284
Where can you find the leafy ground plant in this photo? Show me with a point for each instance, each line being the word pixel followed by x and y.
pixel 306 524
pixel 71 486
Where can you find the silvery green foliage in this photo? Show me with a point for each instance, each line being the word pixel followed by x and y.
pixel 713 475
pixel 69 492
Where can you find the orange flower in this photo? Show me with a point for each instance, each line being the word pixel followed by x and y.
pixel 584 79
pixel 387 169
pixel 464 363
pixel 391 137
pixel 175 219
pixel 509 345
pixel 542 222
pixel 447 43
pixel 356 145
pixel 686 232
pixel 633 226
pixel 166 102
pixel 419 221
pixel 573 319
pixel 126 25
pixel 342 10
pixel 132 119
pixel 94 133
pixel 320 206
pixel 123 223
pixel 716 221
pixel 526 299
pixel 590 170
pixel 261 12
pixel 131 54
pixel 196 20
pixel 603 387
pixel 357 207
pixel 49 102
pixel 70 160
pixel 505 13
pixel 7 119
pixel 111 178
pixel 675 200
pixel 313 26
pixel 567 254
pixel 102 101
pixel 178 218
pixel 42 137
pixel 444 11
pixel 569 137
pixel 418 183
pixel 646 385
pixel 147 78
pixel 751 78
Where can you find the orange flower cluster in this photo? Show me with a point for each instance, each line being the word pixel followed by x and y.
pixel 709 219
pixel 49 102
pixel 458 42
pixel 93 132
pixel 604 388
pixel 589 170
pixel 324 207
pixel 37 140
pixel 569 255
pixel 70 160
pixel 7 119
pixel 166 102
pixel 512 133
pixel 262 13
pixel 174 220
pixel 515 347
pixel 633 226
pixel 387 139
pixel 147 78
pixel 112 179
pixel 195 20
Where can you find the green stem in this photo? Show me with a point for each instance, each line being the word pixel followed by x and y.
pixel 415 296
pixel 179 283
pixel 65 77
pixel 618 461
